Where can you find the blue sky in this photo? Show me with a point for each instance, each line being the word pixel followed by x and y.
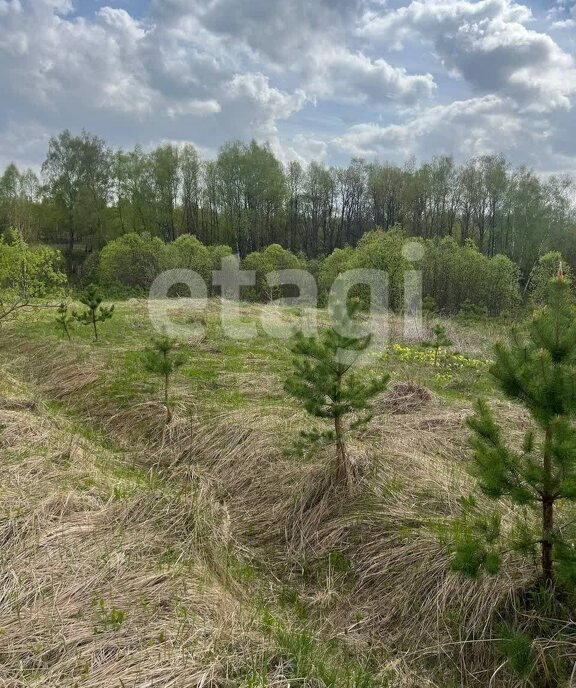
pixel 318 79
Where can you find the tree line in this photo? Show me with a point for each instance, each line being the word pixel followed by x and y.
pixel 88 194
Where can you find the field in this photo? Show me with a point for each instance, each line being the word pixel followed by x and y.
pixel 205 552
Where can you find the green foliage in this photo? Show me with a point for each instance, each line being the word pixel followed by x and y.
pixel 440 341
pixel 272 259
pixel 455 275
pixel 429 307
pixel 94 312
pixel 330 268
pixel 325 380
pixel 536 370
pixel 518 650
pixel 19 193
pixel 27 274
pixel 190 254
pixel 383 251
pixel 77 172
pixel 107 619
pixel 217 253
pixel 247 200
pixel 132 260
pixel 545 269
pixel 471 313
pixel 64 319
pixel 473 538
pixel 320 663
pixel 257 201
pixel 163 359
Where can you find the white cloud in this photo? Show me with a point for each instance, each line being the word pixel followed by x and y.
pixel 488 45
pixel 463 128
pixel 319 79
pixel 303 148
pixel 115 74
pixel 352 77
pixel 466 129
pixel 194 107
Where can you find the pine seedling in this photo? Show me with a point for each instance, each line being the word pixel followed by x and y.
pixel 440 341
pixel 429 308
pixel 64 319
pixel 163 359
pixel 538 371
pixel 330 389
pixel 94 311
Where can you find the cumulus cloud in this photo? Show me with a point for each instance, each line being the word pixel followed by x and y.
pixel 463 127
pixel 318 79
pixel 305 38
pixel 488 44
pixel 282 31
pixel 116 74
pixel 353 77
pixel 469 128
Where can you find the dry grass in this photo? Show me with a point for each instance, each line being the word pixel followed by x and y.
pixel 404 397
pixel 83 538
pixel 106 584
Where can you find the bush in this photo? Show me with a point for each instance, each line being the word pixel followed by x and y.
pixel 217 253
pixel 132 260
pixel 381 250
pixel 460 277
pixel 27 273
pixel 271 259
pixel 332 266
pixel 189 253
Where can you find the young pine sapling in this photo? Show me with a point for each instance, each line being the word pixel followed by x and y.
pixel 163 359
pixel 440 341
pixel 324 380
pixel 64 319
pixel 537 370
pixel 94 311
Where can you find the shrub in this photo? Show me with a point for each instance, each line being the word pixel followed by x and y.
pixel 217 253
pixel 333 265
pixel 132 260
pixel 381 250
pixel 27 273
pixel 455 275
pixel 189 253
pixel 271 259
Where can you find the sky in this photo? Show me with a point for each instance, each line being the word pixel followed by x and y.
pixel 323 80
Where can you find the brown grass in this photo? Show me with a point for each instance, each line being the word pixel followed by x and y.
pixel 72 553
pixel 238 493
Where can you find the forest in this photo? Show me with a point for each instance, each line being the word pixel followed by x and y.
pixel 89 194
